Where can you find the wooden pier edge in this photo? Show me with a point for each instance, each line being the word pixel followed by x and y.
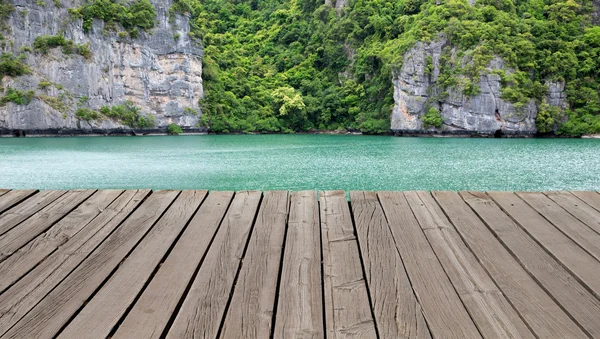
pixel 309 264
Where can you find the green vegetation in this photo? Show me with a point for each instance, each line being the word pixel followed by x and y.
pixel 87 114
pixel 44 43
pixel 174 129
pixel 294 65
pixel 127 114
pixel 53 102
pixel 11 66
pixel 279 66
pixel 6 8
pixel 44 84
pixel 131 16
pixel 17 97
pixel 432 118
pixel 189 111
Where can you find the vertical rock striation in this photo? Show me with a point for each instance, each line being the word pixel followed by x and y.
pixel 160 71
pixel 416 90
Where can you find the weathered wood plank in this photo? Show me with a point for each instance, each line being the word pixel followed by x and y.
pixel 577 208
pixel 28 291
pixel 252 305
pixel 4 191
pixel 492 313
pixel 203 309
pixel 396 309
pixel 51 313
pixel 589 197
pixel 573 228
pixel 557 281
pixel 300 303
pixel 542 314
pixel 27 208
pixel 347 310
pixel 26 258
pixel 11 198
pixel 38 223
pixel 151 313
pixel 444 311
pixel 110 303
pixel 582 265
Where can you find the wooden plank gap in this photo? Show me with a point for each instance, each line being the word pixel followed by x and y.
pixel 12 198
pixel 543 315
pixel 396 310
pixel 347 309
pixel 252 307
pixel 565 289
pixel 106 308
pixel 443 309
pixel 203 309
pixel 154 311
pixel 41 221
pixel 57 308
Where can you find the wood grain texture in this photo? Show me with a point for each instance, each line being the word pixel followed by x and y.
pixel 492 313
pixel 396 309
pixel 27 292
pixel 589 197
pixel 38 223
pixel 4 191
pixel 573 228
pixel 252 305
pixel 26 209
pixel 52 312
pixel 566 290
pixel 108 305
pixel 300 303
pixel 151 313
pixel 582 265
pixel 444 312
pixel 11 198
pixel 27 257
pixel 203 309
pixel 347 310
pixel 577 208
pixel 542 314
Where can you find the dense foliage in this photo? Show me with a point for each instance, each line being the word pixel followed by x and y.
pixel 294 65
pixel 127 114
pixel 11 66
pixel 17 97
pixel 131 16
pixel 174 129
pixel 283 66
pixel 432 118
pixel 44 43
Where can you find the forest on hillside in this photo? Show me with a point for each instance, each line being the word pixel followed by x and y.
pixel 297 65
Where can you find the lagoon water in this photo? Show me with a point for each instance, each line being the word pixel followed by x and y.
pixel 297 162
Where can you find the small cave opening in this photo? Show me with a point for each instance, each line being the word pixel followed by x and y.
pixel 497 115
pixel 498 133
pixel 18 133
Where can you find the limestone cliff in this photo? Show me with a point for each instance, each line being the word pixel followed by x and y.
pixel 160 71
pixel 416 90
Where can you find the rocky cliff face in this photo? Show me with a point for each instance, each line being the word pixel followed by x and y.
pixel 416 90
pixel 160 71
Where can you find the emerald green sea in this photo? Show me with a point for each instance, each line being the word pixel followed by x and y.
pixel 298 162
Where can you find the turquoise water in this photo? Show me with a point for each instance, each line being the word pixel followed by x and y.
pixel 295 162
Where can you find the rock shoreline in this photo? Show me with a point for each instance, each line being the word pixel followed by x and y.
pixel 62 132
pixel 201 131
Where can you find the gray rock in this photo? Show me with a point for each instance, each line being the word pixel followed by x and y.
pixel 160 75
pixel 416 91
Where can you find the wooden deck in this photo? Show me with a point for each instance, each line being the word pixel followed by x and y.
pixel 194 264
